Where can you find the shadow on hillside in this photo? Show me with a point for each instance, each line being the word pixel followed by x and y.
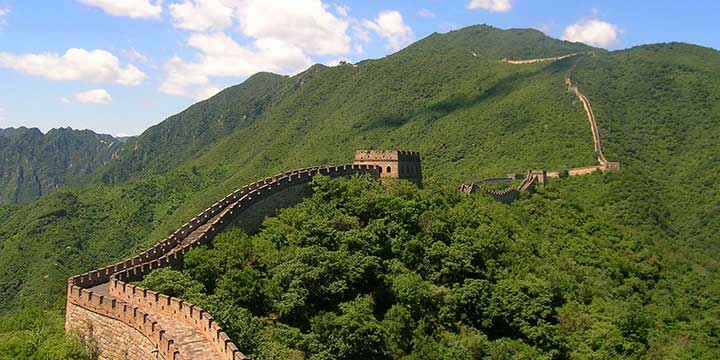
pixel 499 89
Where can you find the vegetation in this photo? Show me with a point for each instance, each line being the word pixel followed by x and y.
pixel 34 164
pixel 189 133
pixel 359 270
pixel 471 117
pixel 35 334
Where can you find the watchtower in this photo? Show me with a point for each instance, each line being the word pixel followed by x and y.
pixel 393 163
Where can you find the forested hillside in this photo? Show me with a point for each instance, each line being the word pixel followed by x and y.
pixel 362 270
pixel 187 134
pixel 33 164
pixel 470 116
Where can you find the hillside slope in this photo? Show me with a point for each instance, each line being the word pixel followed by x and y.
pixel 470 115
pixel 34 164
pixel 183 136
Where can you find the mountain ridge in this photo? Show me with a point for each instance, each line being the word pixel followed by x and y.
pixel 471 117
pixel 36 163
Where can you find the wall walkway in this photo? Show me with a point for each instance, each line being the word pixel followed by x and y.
pixel 137 324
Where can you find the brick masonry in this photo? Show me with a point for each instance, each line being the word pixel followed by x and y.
pixel 130 322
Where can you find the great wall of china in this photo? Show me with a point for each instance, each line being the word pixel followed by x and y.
pixel 540 176
pixel 132 323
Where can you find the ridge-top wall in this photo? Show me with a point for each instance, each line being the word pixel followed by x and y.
pixel 98 299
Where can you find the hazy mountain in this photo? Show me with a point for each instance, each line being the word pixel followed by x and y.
pixel 34 164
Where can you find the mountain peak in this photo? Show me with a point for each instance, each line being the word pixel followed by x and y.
pixel 491 42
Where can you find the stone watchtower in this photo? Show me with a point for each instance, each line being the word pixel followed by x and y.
pixel 393 163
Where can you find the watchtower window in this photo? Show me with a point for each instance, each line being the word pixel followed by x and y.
pixel 389 169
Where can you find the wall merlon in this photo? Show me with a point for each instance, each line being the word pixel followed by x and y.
pixel 170 251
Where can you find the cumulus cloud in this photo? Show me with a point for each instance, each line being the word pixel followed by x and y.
pixel 281 37
pixel 136 9
pixel 135 56
pixel 593 32
pixel 223 57
pixel 75 64
pixel 96 96
pixel 342 10
pixel 4 11
pixel 423 12
pixel 202 15
pixel 304 23
pixel 360 33
pixel 490 5
pixel 390 25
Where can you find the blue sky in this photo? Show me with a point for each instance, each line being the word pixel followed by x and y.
pixel 119 67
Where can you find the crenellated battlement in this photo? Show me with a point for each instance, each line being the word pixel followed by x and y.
pixel 104 295
pixel 393 163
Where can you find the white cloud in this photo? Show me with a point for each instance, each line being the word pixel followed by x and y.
pixel 281 36
pixel 304 23
pixel 390 25
pixel 136 9
pixel 4 11
pixel 64 100
pixel 423 12
pixel 75 64
pixel 223 57
pixel 135 56
pixel 593 32
pixel 342 10
pixel 202 15
pixel 96 96
pixel 546 28
pixel 490 5
pixel 361 34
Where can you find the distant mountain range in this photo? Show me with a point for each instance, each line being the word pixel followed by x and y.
pixel 33 164
pixel 448 96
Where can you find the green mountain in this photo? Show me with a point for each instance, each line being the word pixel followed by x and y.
pixel 34 164
pixel 189 133
pixel 471 116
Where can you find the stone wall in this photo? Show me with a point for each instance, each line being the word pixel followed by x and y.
pixel 511 194
pixel 115 339
pixel 393 163
pixel 118 328
pixel 104 299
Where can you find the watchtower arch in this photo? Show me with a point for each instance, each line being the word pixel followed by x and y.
pixel 393 163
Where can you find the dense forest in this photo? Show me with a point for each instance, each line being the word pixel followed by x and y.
pixel 610 265
pixel 362 270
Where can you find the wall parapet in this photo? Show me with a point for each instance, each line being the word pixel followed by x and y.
pixel 130 315
pixel 170 252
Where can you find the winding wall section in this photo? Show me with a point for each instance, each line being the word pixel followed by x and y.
pixel 510 194
pixel 604 163
pixel 139 324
